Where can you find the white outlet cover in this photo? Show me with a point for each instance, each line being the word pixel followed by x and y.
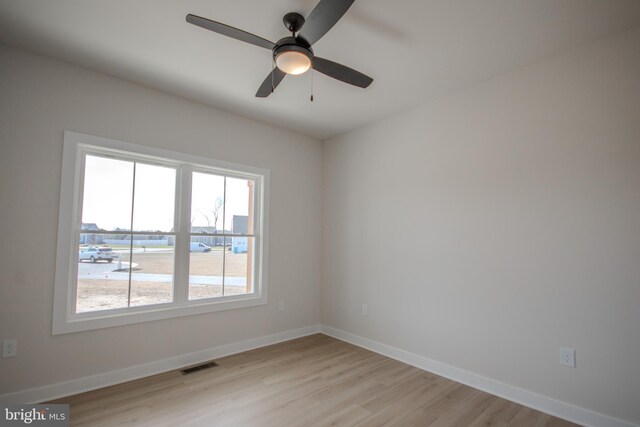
pixel 568 357
pixel 365 309
pixel 9 348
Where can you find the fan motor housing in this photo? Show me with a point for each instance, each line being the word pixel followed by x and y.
pixel 292 44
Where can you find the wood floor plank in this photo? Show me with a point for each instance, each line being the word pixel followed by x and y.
pixel 314 381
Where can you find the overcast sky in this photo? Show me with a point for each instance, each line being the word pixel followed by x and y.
pixel 108 190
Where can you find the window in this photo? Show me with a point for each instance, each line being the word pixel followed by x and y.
pixel 147 234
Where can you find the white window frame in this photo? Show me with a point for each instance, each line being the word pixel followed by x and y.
pixel 76 145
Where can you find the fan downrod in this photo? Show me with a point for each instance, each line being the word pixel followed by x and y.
pixel 293 21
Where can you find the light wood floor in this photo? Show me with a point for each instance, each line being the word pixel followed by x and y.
pixel 311 381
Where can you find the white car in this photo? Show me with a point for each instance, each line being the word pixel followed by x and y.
pixel 94 254
pixel 199 247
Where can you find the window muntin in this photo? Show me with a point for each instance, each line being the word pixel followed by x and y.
pixel 151 273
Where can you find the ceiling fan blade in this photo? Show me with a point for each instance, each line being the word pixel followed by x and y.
pixel 270 83
pixel 322 18
pixel 341 72
pixel 228 31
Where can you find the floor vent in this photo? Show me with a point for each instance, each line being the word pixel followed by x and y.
pixel 197 368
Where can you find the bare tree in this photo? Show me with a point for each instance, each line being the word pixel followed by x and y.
pixel 216 212
pixel 206 218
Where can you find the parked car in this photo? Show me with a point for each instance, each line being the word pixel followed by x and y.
pixel 94 254
pixel 199 247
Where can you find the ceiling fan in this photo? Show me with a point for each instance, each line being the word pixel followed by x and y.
pixel 294 55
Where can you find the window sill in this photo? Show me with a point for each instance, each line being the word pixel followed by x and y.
pixel 106 319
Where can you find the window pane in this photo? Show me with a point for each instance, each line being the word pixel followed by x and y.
pixel 108 187
pixel 207 203
pixel 205 267
pixel 239 199
pixel 152 270
pixel 238 262
pixel 103 278
pixel 154 204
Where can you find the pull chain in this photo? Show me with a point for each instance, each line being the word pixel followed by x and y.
pixel 311 98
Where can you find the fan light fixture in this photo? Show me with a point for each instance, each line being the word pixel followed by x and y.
pixel 293 62
pixel 293 54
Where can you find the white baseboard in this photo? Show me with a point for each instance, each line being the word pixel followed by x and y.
pixel 533 400
pixel 80 385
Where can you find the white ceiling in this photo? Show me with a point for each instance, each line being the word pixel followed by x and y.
pixel 416 50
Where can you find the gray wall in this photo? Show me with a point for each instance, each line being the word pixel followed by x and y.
pixel 490 228
pixel 39 99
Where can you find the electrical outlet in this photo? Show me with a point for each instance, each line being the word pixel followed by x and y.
pixel 365 309
pixel 567 357
pixel 281 306
pixel 9 348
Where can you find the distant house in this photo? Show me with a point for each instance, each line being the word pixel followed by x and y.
pixel 105 238
pixel 240 226
pixel 207 240
pixel 90 238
